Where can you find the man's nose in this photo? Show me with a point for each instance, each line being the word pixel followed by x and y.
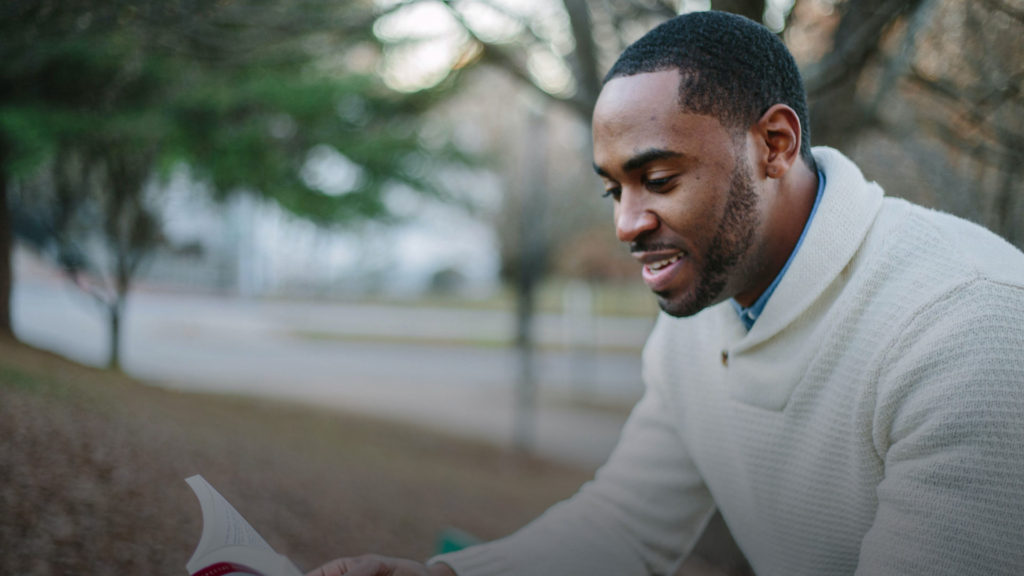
pixel 633 218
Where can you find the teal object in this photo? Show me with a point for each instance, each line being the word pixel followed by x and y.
pixel 453 539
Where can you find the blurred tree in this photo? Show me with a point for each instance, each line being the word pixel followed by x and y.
pixel 926 92
pixel 92 215
pixel 6 240
pixel 248 94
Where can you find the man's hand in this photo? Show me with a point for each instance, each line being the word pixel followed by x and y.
pixel 373 565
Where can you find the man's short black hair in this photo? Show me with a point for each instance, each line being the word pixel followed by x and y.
pixel 732 68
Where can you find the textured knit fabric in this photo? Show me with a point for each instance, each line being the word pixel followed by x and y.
pixel 870 423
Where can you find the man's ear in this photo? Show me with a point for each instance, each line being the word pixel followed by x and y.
pixel 779 131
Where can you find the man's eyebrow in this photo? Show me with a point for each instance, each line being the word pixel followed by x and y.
pixel 648 156
pixel 641 160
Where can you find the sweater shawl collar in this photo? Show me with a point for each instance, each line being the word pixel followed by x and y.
pixel 848 208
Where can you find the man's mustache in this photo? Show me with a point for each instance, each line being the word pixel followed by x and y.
pixel 644 245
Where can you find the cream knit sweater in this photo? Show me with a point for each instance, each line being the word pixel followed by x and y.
pixel 870 423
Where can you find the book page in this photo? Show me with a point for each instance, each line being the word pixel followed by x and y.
pixel 229 544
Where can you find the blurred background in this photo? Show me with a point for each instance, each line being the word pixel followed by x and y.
pixel 386 208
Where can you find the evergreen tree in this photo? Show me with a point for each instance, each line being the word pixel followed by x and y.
pixel 104 96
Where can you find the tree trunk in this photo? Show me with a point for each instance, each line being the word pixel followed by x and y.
pixel 1006 207
pixel 753 9
pixel 585 58
pixel 6 248
pixel 533 246
pixel 114 315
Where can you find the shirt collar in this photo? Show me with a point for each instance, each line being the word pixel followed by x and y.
pixel 749 315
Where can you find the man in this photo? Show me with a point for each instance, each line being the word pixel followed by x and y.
pixel 840 374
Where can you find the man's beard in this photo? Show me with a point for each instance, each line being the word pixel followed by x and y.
pixel 731 242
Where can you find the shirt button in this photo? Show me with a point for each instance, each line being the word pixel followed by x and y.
pixel 725 357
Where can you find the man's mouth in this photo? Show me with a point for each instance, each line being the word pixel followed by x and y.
pixel 660 274
pixel 655 266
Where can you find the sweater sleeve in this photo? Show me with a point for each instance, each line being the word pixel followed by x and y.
pixel 644 509
pixel 949 429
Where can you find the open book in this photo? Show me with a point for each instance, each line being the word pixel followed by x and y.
pixel 229 545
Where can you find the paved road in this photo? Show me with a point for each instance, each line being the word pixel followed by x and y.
pixel 375 359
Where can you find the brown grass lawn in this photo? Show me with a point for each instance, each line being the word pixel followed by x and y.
pixel 92 467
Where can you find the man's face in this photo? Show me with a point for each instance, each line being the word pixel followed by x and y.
pixel 683 192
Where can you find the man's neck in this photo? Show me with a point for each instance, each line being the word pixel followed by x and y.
pixel 792 201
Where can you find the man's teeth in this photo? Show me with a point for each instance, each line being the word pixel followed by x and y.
pixel 663 263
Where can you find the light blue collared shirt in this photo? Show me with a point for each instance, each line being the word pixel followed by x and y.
pixel 749 315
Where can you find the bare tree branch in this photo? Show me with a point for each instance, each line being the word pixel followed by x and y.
pixel 656 8
pixel 527 26
pixel 753 9
pixel 849 56
pixel 1011 11
pixel 77 278
pixel 900 64
pixel 503 57
pixel 584 56
pixel 972 112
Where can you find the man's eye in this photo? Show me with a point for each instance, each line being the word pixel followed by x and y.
pixel 612 193
pixel 657 184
